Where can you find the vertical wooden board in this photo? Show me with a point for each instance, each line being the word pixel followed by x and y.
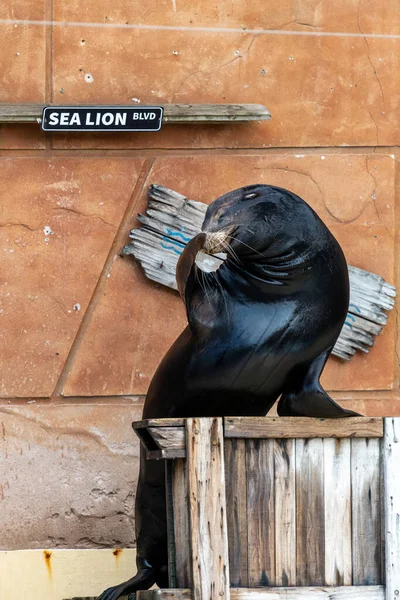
pixel 170 525
pixel 337 494
pixel 236 507
pixel 207 508
pixel 366 511
pixel 391 480
pixel 260 512
pixel 285 512
pixel 181 523
pixel 310 515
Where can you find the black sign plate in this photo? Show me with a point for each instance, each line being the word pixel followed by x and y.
pixel 102 118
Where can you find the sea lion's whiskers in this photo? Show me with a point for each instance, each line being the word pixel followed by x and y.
pixel 231 251
pixel 244 244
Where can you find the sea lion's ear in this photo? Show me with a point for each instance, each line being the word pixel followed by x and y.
pixel 186 262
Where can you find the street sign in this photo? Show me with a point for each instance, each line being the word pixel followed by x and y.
pixel 102 118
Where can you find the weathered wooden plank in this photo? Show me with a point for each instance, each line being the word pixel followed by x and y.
pixel 302 427
pixel 216 113
pixel 391 480
pixel 366 511
pixel 180 500
pixel 171 440
pixel 313 593
pixel 236 506
pixel 164 594
pixel 285 512
pixel 370 295
pixel 373 592
pixel 337 490
pixel 260 512
pixel 161 438
pixel 172 579
pixel 310 515
pixel 173 113
pixel 207 508
pixel 158 423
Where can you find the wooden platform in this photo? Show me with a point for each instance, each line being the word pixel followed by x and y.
pixel 280 508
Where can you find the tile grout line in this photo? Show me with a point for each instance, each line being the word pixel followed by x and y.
pixel 396 383
pixel 122 231
pixel 195 29
pixel 49 66
pixel 165 152
pixel 135 399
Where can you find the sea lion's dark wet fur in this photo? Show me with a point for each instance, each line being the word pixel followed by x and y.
pixel 260 327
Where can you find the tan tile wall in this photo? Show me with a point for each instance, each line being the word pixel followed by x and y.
pixel 82 331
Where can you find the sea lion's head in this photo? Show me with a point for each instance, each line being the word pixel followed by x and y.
pixel 268 234
pixel 258 222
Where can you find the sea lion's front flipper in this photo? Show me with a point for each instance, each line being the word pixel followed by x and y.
pixel 143 580
pixel 186 262
pixel 308 398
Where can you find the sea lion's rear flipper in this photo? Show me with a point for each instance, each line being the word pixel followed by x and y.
pixel 143 580
pixel 308 398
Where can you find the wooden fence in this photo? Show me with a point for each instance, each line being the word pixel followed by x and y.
pixel 280 508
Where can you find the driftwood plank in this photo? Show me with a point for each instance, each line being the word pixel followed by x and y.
pixel 373 592
pixel 366 511
pixel 285 512
pixel 391 479
pixel 302 427
pixel 310 556
pixel 337 491
pixel 181 523
pixel 236 506
pixel 173 113
pixel 260 512
pixel 207 508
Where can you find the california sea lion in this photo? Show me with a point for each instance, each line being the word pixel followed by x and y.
pixel 260 327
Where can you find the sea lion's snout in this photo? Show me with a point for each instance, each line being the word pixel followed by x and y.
pixel 217 241
pixel 214 242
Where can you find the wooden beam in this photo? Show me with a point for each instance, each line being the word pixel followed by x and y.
pixel 373 592
pixel 391 502
pixel 261 512
pixel 310 517
pixel 367 515
pixel 173 113
pixel 180 501
pixel 158 423
pixel 337 506
pixel 207 509
pixel 303 427
pixel 285 511
pixel 170 440
pixel 162 438
pixel 236 505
